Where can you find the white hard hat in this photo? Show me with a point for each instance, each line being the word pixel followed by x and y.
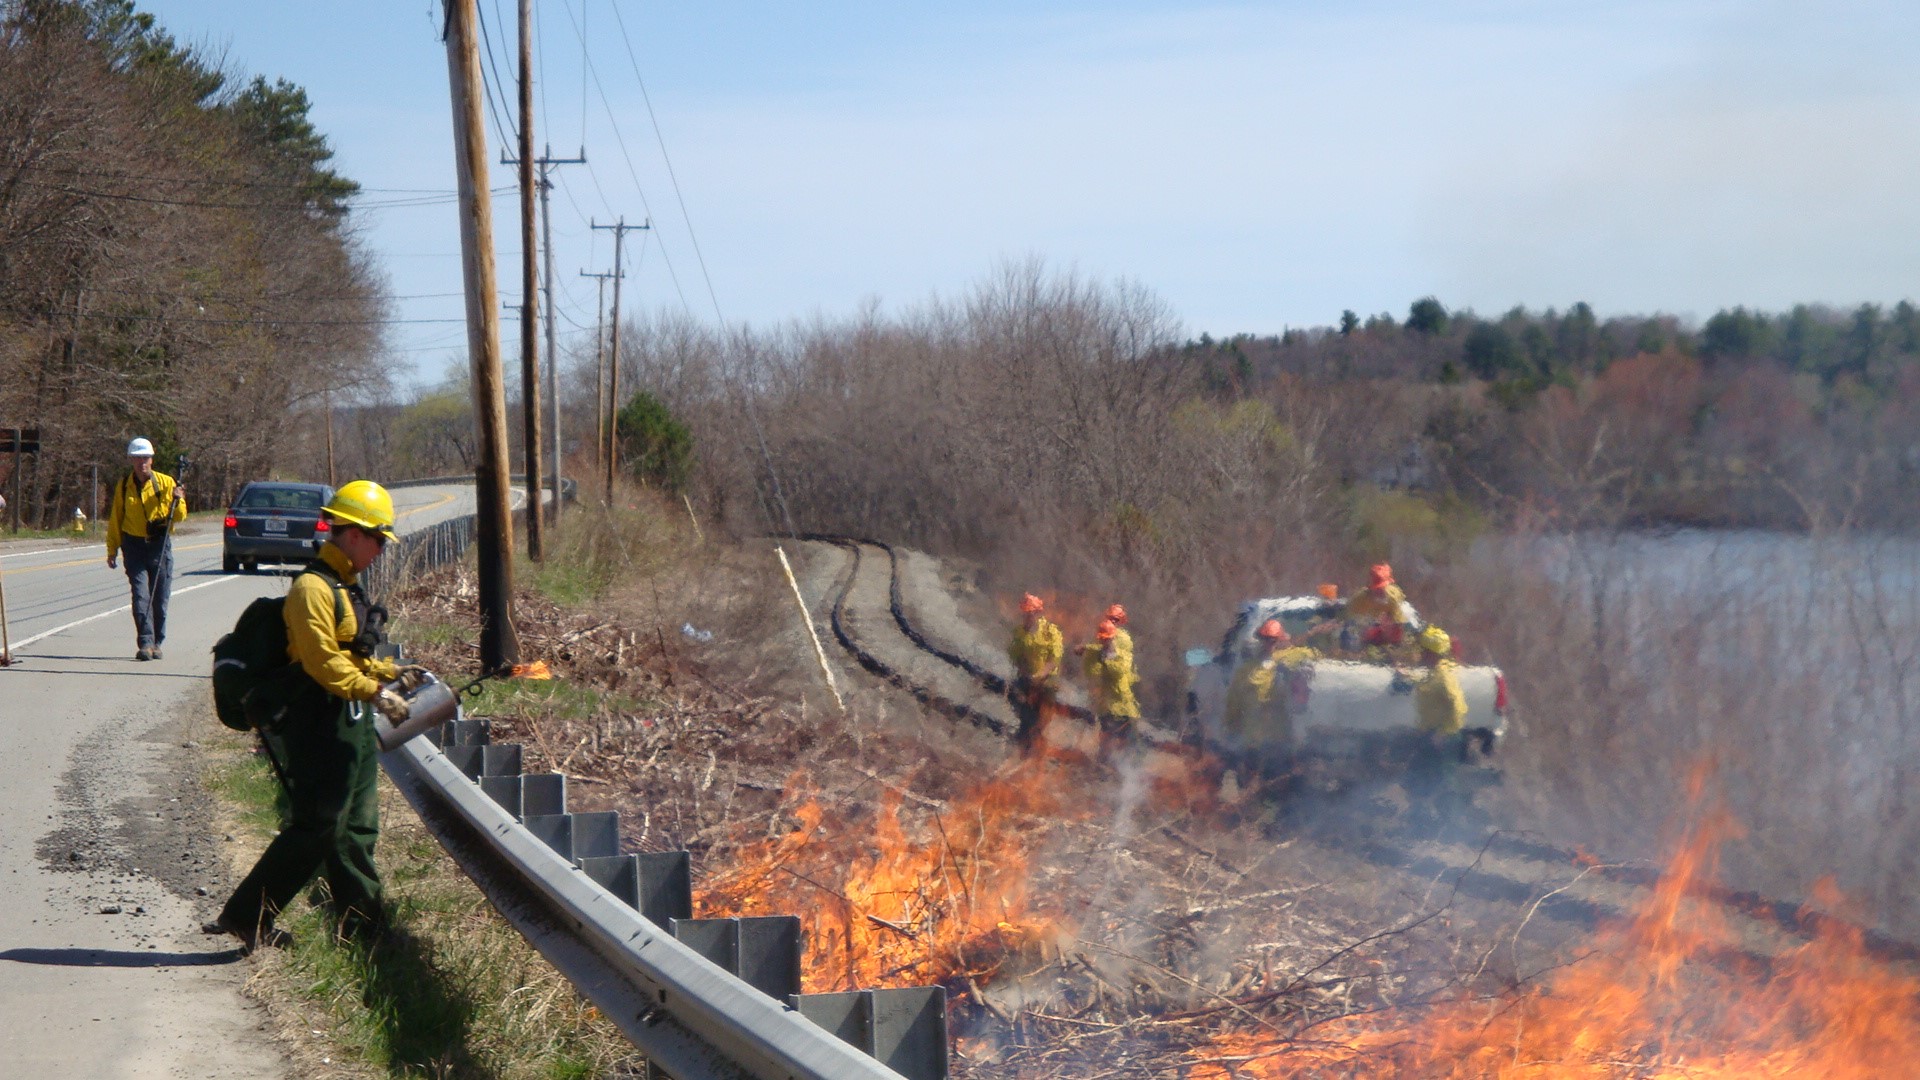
pixel 139 448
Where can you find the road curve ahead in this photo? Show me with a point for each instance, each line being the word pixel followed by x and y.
pixel 103 971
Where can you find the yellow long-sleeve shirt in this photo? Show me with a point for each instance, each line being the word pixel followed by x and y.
pixel 1438 700
pixel 1036 654
pixel 1111 679
pixel 137 504
pixel 1365 607
pixel 1257 688
pixel 319 628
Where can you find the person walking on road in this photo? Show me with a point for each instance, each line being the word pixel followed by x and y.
pixel 146 503
pixel 1036 651
pixel 1110 682
pixel 325 750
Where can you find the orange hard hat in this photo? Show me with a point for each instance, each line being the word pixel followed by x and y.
pixel 1379 576
pixel 1118 614
pixel 1106 630
pixel 1330 591
pixel 1031 603
pixel 1273 631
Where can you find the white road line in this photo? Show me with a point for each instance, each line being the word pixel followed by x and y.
pixel 23 643
pixel 35 551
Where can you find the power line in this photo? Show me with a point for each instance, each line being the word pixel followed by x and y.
pixel 204 320
pixel 187 294
pixel 661 139
pixel 207 181
pixel 626 154
pixel 509 132
pixel 201 204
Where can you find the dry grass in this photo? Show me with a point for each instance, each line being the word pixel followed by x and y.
pixel 1159 918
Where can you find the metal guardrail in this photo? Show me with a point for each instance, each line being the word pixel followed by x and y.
pixel 703 999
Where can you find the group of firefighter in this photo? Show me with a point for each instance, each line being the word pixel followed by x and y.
pixel 1038 650
pixel 1268 687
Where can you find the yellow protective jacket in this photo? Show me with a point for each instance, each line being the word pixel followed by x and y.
pixel 1123 644
pixel 1364 607
pixel 1110 680
pixel 1438 700
pixel 319 628
pixel 1036 655
pixel 1253 689
pixel 135 505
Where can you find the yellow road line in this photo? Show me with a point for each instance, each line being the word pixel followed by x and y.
pixel 444 500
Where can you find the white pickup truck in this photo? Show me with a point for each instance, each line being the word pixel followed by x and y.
pixel 1343 708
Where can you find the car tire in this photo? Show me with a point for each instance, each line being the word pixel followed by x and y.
pixel 229 564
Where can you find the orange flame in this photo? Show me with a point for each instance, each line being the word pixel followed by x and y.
pixel 535 670
pixel 1668 994
pixel 942 899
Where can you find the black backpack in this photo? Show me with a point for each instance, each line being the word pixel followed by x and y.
pixel 254 684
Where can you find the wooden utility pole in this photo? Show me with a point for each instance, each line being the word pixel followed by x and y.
pixel 600 369
pixel 529 296
pixel 545 162
pixel 620 230
pixel 331 480
pixel 499 645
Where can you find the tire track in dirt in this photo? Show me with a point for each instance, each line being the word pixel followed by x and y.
pixel 1503 868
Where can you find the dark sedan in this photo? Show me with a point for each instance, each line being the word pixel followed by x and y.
pixel 274 522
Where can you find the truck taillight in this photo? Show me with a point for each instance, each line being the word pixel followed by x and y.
pixel 322 526
pixel 1500 694
pixel 231 522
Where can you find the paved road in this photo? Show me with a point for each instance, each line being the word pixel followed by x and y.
pixel 100 805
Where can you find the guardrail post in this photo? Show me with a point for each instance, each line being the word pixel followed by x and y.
pixel 657 884
pixel 763 951
pixel 578 836
pixel 904 1029
pixel 488 759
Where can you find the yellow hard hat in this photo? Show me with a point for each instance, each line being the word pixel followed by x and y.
pixel 1435 640
pixel 363 503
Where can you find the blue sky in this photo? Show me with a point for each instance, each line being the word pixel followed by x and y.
pixel 1259 166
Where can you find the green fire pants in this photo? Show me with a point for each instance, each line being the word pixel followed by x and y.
pixel 331 769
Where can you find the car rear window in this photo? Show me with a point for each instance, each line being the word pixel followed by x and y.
pixel 272 498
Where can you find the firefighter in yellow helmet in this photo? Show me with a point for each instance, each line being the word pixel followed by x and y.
pixel 1036 651
pixel 325 748
pixel 1110 683
pixel 1440 707
pixel 1262 697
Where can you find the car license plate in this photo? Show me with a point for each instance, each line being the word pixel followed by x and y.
pixel 277 525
